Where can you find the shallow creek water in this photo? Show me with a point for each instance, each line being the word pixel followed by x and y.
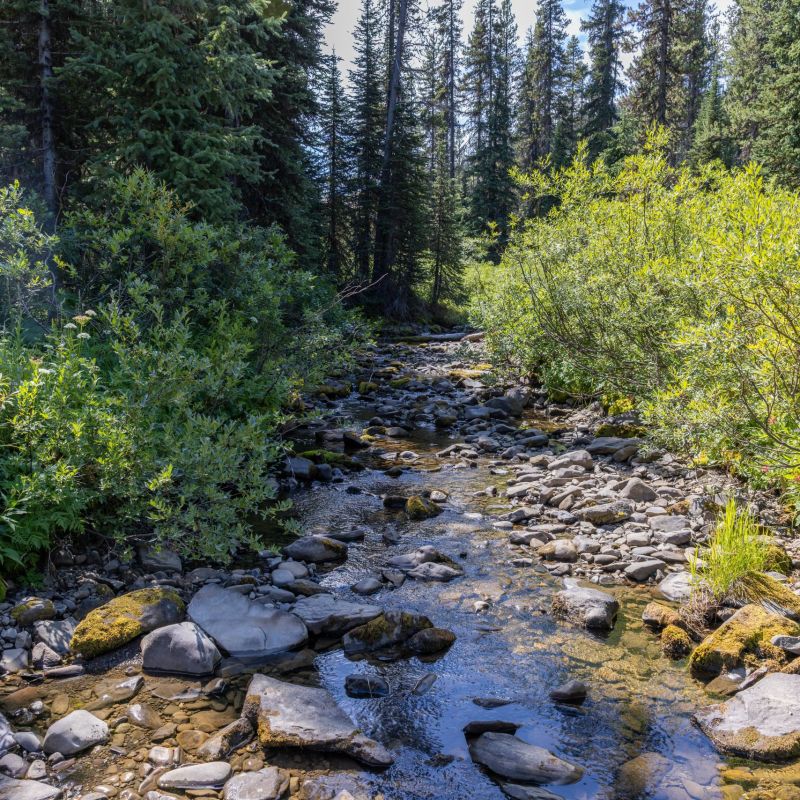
pixel 639 702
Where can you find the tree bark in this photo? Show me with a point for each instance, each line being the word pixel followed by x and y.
pixel 47 114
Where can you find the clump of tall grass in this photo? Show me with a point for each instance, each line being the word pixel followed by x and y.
pixel 738 548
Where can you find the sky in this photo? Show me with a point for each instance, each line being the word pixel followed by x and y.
pixel 339 33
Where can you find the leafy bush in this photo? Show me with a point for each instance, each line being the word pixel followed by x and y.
pixel 677 290
pixel 152 412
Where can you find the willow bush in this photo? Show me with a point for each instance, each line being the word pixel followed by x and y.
pixel 676 291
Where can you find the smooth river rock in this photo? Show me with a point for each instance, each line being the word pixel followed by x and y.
pixel 12 789
pixel 182 649
pixel 316 549
pixel 761 722
pixel 511 757
pixel 243 628
pixel 324 613
pixel 74 733
pixel 266 784
pixel 290 715
pixel 211 775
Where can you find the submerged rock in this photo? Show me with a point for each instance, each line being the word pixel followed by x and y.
pixel 288 715
pixel 761 722
pixel 418 507
pixel 511 757
pixel 588 607
pixel 243 628
pixel 366 686
pixel 389 629
pixel 122 619
pixel 316 549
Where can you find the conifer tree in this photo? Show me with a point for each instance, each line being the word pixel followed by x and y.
pixel 334 169
pixel 712 139
pixel 367 119
pixel 570 126
pixel 604 30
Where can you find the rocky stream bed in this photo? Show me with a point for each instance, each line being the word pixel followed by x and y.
pixel 473 610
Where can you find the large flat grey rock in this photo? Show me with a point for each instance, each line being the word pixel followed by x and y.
pixel 243 628
pixel 585 606
pixel 211 775
pixel 289 715
pixel 761 722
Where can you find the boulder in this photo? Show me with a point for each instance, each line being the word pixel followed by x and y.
pixel 676 587
pixel 424 555
pixel 675 642
pixel 74 733
pixel 243 628
pixel 760 722
pixel 431 571
pixel 160 560
pixel 558 550
pixel 325 614
pixel 418 507
pixel 609 445
pixel 742 640
pixel 388 630
pixel 430 640
pixel 575 458
pixel 588 607
pixel 122 619
pixel 316 549
pixel 510 757
pixel 658 616
pixel 366 686
pixel 289 715
pixel 181 649
pixel 642 570
pixel 571 692
pixel 12 789
pixel 606 513
pixel 32 609
pixel 266 784
pixel 638 491
pixel 55 634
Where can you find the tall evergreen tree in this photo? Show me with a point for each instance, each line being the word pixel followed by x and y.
pixel 491 65
pixel 778 145
pixel 334 170
pixel 712 140
pixel 604 29
pixel 367 118
pixel 570 124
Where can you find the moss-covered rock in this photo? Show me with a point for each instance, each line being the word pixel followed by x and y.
pixel 778 560
pixel 333 458
pixel 658 616
pixel 333 389
pixel 390 629
pixel 675 642
pixel 124 618
pixel 418 507
pixel 755 587
pixel 367 387
pixel 32 609
pixel 743 640
pixel 623 430
pixel 400 383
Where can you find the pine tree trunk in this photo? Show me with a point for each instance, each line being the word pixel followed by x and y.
pixel 47 114
pixel 383 233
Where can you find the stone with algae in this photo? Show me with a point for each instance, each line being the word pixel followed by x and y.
pixel 123 618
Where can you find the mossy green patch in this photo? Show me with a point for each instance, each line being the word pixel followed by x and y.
pixel 124 618
pixel 418 507
pixel 367 387
pixel 341 460
pixel 778 560
pixel 624 430
pixel 675 642
pixel 744 639
pixel 33 609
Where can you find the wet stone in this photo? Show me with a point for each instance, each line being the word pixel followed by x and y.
pixel 366 686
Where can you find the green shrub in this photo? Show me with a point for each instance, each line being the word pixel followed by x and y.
pixel 676 291
pixel 155 416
